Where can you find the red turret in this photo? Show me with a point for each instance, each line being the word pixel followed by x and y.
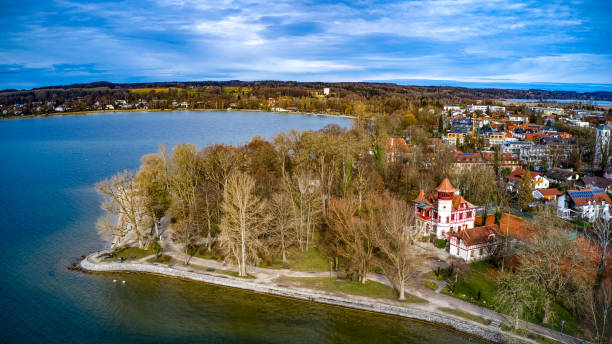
pixel 446 190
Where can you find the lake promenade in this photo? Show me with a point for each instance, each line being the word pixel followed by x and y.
pixel 264 280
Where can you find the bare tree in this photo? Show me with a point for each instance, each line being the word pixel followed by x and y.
pixel 516 294
pixel 186 233
pixel 597 310
pixel 551 261
pixel 601 235
pixel 282 222
pixel 121 199
pixel 243 220
pixel 397 243
pixel 355 236
pixel 153 189
pixel 307 205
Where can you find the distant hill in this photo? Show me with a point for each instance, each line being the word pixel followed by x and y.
pixel 363 88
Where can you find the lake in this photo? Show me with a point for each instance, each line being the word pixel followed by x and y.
pixel 48 210
pixel 564 101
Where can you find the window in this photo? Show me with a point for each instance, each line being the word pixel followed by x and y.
pixel 461 216
pixel 480 252
pixel 447 221
pixel 452 216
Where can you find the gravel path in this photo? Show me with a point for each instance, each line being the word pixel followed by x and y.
pixel 436 300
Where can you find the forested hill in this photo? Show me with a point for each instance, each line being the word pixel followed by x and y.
pixel 363 89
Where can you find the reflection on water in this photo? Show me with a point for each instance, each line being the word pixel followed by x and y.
pixel 48 209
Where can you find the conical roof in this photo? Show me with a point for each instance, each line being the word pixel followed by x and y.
pixel 446 186
pixel 421 194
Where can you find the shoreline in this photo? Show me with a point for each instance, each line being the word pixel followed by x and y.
pixel 413 312
pixel 89 112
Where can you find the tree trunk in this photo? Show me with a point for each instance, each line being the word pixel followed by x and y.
pixel 243 254
pixel 401 289
pixel 516 322
pixel 208 237
pixel 364 273
pixel 283 246
pixel 156 229
pixel 546 310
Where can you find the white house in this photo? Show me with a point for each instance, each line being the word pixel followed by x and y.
pixel 474 108
pixel 477 243
pixel 443 211
pixel 585 204
pixel 538 181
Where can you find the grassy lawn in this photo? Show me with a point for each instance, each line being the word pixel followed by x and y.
pixel 571 326
pixel 234 274
pixel 132 253
pixel 528 334
pixel 438 275
pixel 482 279
pixel 164 259
pixel 431 285
pixel 370 289
pixel 205 254
pixel 466 315
pixel 310 261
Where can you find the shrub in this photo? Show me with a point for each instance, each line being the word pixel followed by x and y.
pixel 441 243
pixel 156 247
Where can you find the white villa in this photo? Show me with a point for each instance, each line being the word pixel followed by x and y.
pixel 475 243
pixel 443 211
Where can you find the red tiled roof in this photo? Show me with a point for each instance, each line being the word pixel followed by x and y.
pixel 549 192
pixel 478 235
pixel 517 174
pixel 584 196
pixel 446 186
pixel 397 145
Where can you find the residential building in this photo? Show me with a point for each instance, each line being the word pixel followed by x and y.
pixel 546 194
pixel 585 204
pixel 451 139
pixel 608 172
pixel 397 147
pixel 496 139
pixel 473 244
pixel 474 108
pixel 443 211
pixel 482 159
pixel 594 182
pixel 538 181
pixel 560 175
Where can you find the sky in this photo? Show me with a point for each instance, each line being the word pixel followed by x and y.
pixel 462 42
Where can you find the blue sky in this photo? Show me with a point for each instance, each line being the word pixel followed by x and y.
pixel 439 42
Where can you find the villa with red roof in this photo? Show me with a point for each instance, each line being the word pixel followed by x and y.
pixel 443 211
pixel 475 243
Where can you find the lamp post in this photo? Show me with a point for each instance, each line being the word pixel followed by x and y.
pixel 562 323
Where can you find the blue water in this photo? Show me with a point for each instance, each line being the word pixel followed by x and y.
pixel 48 208
pixel 564 101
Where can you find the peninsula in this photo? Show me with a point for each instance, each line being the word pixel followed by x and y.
pixel 385 217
